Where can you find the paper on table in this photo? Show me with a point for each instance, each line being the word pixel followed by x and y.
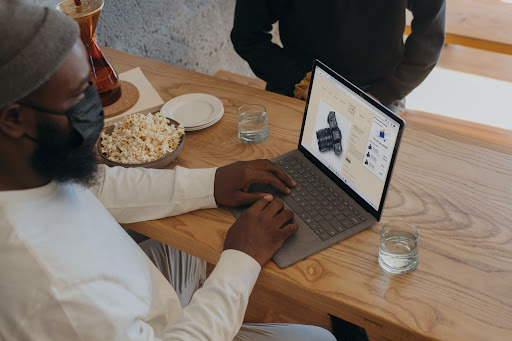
pixel 149 99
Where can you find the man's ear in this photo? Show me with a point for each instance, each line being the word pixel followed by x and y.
pixel 13 121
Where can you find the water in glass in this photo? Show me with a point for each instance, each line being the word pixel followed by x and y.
pixel 398 252
pixel 252 125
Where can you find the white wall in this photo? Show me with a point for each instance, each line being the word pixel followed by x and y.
pixel 193 34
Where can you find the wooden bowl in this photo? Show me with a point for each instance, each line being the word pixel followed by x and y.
pixel 158 163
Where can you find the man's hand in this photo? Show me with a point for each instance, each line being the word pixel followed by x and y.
pixel 232 181
pixel 305 94
pixel 258 231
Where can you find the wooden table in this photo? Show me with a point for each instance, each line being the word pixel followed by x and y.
pixel 459 196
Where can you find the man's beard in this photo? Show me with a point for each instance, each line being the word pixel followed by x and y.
pixel 62 157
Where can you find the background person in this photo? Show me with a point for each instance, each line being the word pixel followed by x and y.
pixel 360 39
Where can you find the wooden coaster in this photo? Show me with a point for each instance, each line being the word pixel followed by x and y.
pixel 129 97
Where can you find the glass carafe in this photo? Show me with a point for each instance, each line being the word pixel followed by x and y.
pixel 103 75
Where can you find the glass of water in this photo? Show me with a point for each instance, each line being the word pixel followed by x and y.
pixel 252 123
pixel 398 252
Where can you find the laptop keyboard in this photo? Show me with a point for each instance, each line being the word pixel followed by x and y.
pixel 324 210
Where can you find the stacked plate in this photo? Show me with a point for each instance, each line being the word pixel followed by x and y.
pixel 194 111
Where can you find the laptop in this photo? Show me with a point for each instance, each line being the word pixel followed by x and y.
pixel 342 166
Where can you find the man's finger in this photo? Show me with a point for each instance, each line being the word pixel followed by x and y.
pixel 288 230
pixel 269 179
pixel 244 198
pixel 275 207
pixel 269 166
pixel 259 205
pixel 283 217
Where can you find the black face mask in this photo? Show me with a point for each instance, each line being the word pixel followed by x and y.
pixel 86 117
pixel 65 157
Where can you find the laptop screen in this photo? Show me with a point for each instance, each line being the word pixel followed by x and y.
pixel 353 139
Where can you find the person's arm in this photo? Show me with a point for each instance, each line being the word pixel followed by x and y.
pixel 422 50
pixel 217 310
pixel 139 194
pixel 105 309
pixel 253 42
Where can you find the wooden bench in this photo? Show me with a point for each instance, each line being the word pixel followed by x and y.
pixel 482 24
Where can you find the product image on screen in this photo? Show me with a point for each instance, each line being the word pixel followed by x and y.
pixel 330 138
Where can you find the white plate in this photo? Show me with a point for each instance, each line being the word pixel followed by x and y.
pixel 204 126
pixel 193 110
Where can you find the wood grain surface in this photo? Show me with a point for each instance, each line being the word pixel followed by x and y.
pixel 457 194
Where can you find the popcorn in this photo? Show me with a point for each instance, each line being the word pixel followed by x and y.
pixel 140 138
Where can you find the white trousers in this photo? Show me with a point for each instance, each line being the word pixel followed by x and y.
pixel 187 273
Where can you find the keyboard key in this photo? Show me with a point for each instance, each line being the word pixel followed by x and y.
pixel 338 226
pixel 324 203
pixel 328 228
pixel 330 198
pixel 318 218
pixel 318 196
pixel 335 212
pixel 328 216
pixel 350 207
pixel 281 162
pixel 362 218
pixel 293 205
pixel 294 194
pixel 319 231
pixel 314 226
pixel 355 220
pixel 325 236
pixel 317 207
pixel 308 221
pixel 346 213
pixel 330 208
pixel 304 216
pixel 303 203
pixel 347 223
pixel 298 199
pixel 314 213
pixel 309 209
pixel 323 212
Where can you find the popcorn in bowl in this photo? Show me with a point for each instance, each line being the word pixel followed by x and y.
pixel 141 138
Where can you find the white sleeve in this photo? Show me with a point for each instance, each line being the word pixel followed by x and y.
pixel 102 309
pixel 217 310
pixel 139 194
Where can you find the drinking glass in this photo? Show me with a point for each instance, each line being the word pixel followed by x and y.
pixel 87 13
pixel 398 252
pixel 252 123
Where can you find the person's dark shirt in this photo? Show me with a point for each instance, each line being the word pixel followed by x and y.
pixel 360 39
